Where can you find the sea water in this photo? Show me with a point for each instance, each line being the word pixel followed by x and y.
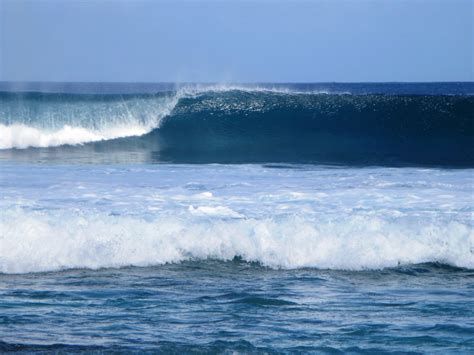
pixel 218 221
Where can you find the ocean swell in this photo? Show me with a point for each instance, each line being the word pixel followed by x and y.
pixel 246 125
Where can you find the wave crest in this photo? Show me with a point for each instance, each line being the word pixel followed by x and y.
pixel 51 120
pixel 36 242
pixel 226 124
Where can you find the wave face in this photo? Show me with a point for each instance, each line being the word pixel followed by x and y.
pixel 244 125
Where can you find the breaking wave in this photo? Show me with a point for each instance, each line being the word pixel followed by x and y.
pixel 231 124
pixel 37 242
pixel 44 120
pixel 50 120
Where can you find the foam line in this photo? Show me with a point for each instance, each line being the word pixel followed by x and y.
pixel 33 241
pixel 21 136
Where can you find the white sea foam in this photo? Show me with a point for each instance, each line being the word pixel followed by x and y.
pixel 221 211
pixel 51 125
pixel 21 136
pixel 111 216
pixel 33 241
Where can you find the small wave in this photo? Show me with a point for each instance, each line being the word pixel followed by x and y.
pixel 35 241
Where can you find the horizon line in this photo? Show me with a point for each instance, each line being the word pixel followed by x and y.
pixel 233 82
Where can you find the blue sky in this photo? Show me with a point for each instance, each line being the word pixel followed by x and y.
pixel 236 41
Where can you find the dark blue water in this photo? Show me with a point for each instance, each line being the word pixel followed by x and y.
pixel 235 306
pixel 349 124
pixel 269 218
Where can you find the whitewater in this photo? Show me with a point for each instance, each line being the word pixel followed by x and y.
pixel 57 218
pixel 237 218
pixel 66 121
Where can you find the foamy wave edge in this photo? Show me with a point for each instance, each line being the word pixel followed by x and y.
pixel 40 242
pixel 21 136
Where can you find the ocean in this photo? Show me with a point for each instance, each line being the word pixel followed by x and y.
pixel 250 218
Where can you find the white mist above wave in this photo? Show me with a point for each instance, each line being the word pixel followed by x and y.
pixel 34 242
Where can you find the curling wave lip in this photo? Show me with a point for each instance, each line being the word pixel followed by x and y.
pixel 233 124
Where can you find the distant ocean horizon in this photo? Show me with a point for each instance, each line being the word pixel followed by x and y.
pixel 270 217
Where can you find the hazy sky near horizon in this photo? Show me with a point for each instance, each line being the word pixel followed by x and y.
pixel 236 41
